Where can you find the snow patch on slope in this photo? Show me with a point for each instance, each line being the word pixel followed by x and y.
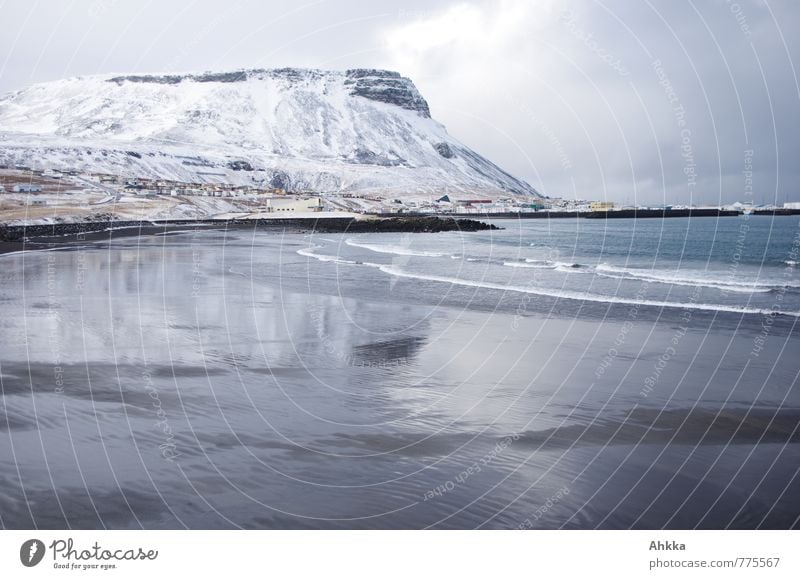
pixel 326 131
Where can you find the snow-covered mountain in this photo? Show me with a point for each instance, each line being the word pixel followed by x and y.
pixel 359 130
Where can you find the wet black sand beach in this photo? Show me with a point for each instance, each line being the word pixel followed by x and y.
pixel 219 379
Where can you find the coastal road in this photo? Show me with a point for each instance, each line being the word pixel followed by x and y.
pixel 113 195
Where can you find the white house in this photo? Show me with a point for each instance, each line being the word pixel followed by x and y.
pixel 27 188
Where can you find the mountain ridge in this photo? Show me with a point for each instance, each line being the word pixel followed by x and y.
pixel 351 131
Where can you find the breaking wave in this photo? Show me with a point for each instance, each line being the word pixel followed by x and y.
pixel 392 249
pixel 703 279
pixel 554 293
pixel 325 258
pixel 543 264
pixel 585 296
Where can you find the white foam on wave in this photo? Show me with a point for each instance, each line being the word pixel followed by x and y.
pixel 568 267
pixel 584 296
pixel 701 280
pixel 326 258
pixel 558 294
pixel 530 265
pixel 392 249
pixel 544 264
pixel 333 259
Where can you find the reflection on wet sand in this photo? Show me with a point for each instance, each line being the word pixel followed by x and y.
pixel 180 382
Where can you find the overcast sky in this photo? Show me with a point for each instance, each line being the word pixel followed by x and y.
pixel 634 101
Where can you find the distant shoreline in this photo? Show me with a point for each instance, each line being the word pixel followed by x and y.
pixel 19 237
pixel 622 214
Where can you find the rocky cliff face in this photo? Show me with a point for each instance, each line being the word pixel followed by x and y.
pixel 360 130
pixel 386 87
pixel 380 85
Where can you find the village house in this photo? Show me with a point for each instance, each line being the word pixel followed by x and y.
pixel 27 188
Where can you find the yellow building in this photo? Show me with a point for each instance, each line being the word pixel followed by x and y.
pixel 601 205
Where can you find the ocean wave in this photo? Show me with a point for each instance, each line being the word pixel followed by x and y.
pixel 308 252
pixel 585 296
pixel 392 249
pixel 553 293
pixel 325 258
pixel 543 264
pixel 701 280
